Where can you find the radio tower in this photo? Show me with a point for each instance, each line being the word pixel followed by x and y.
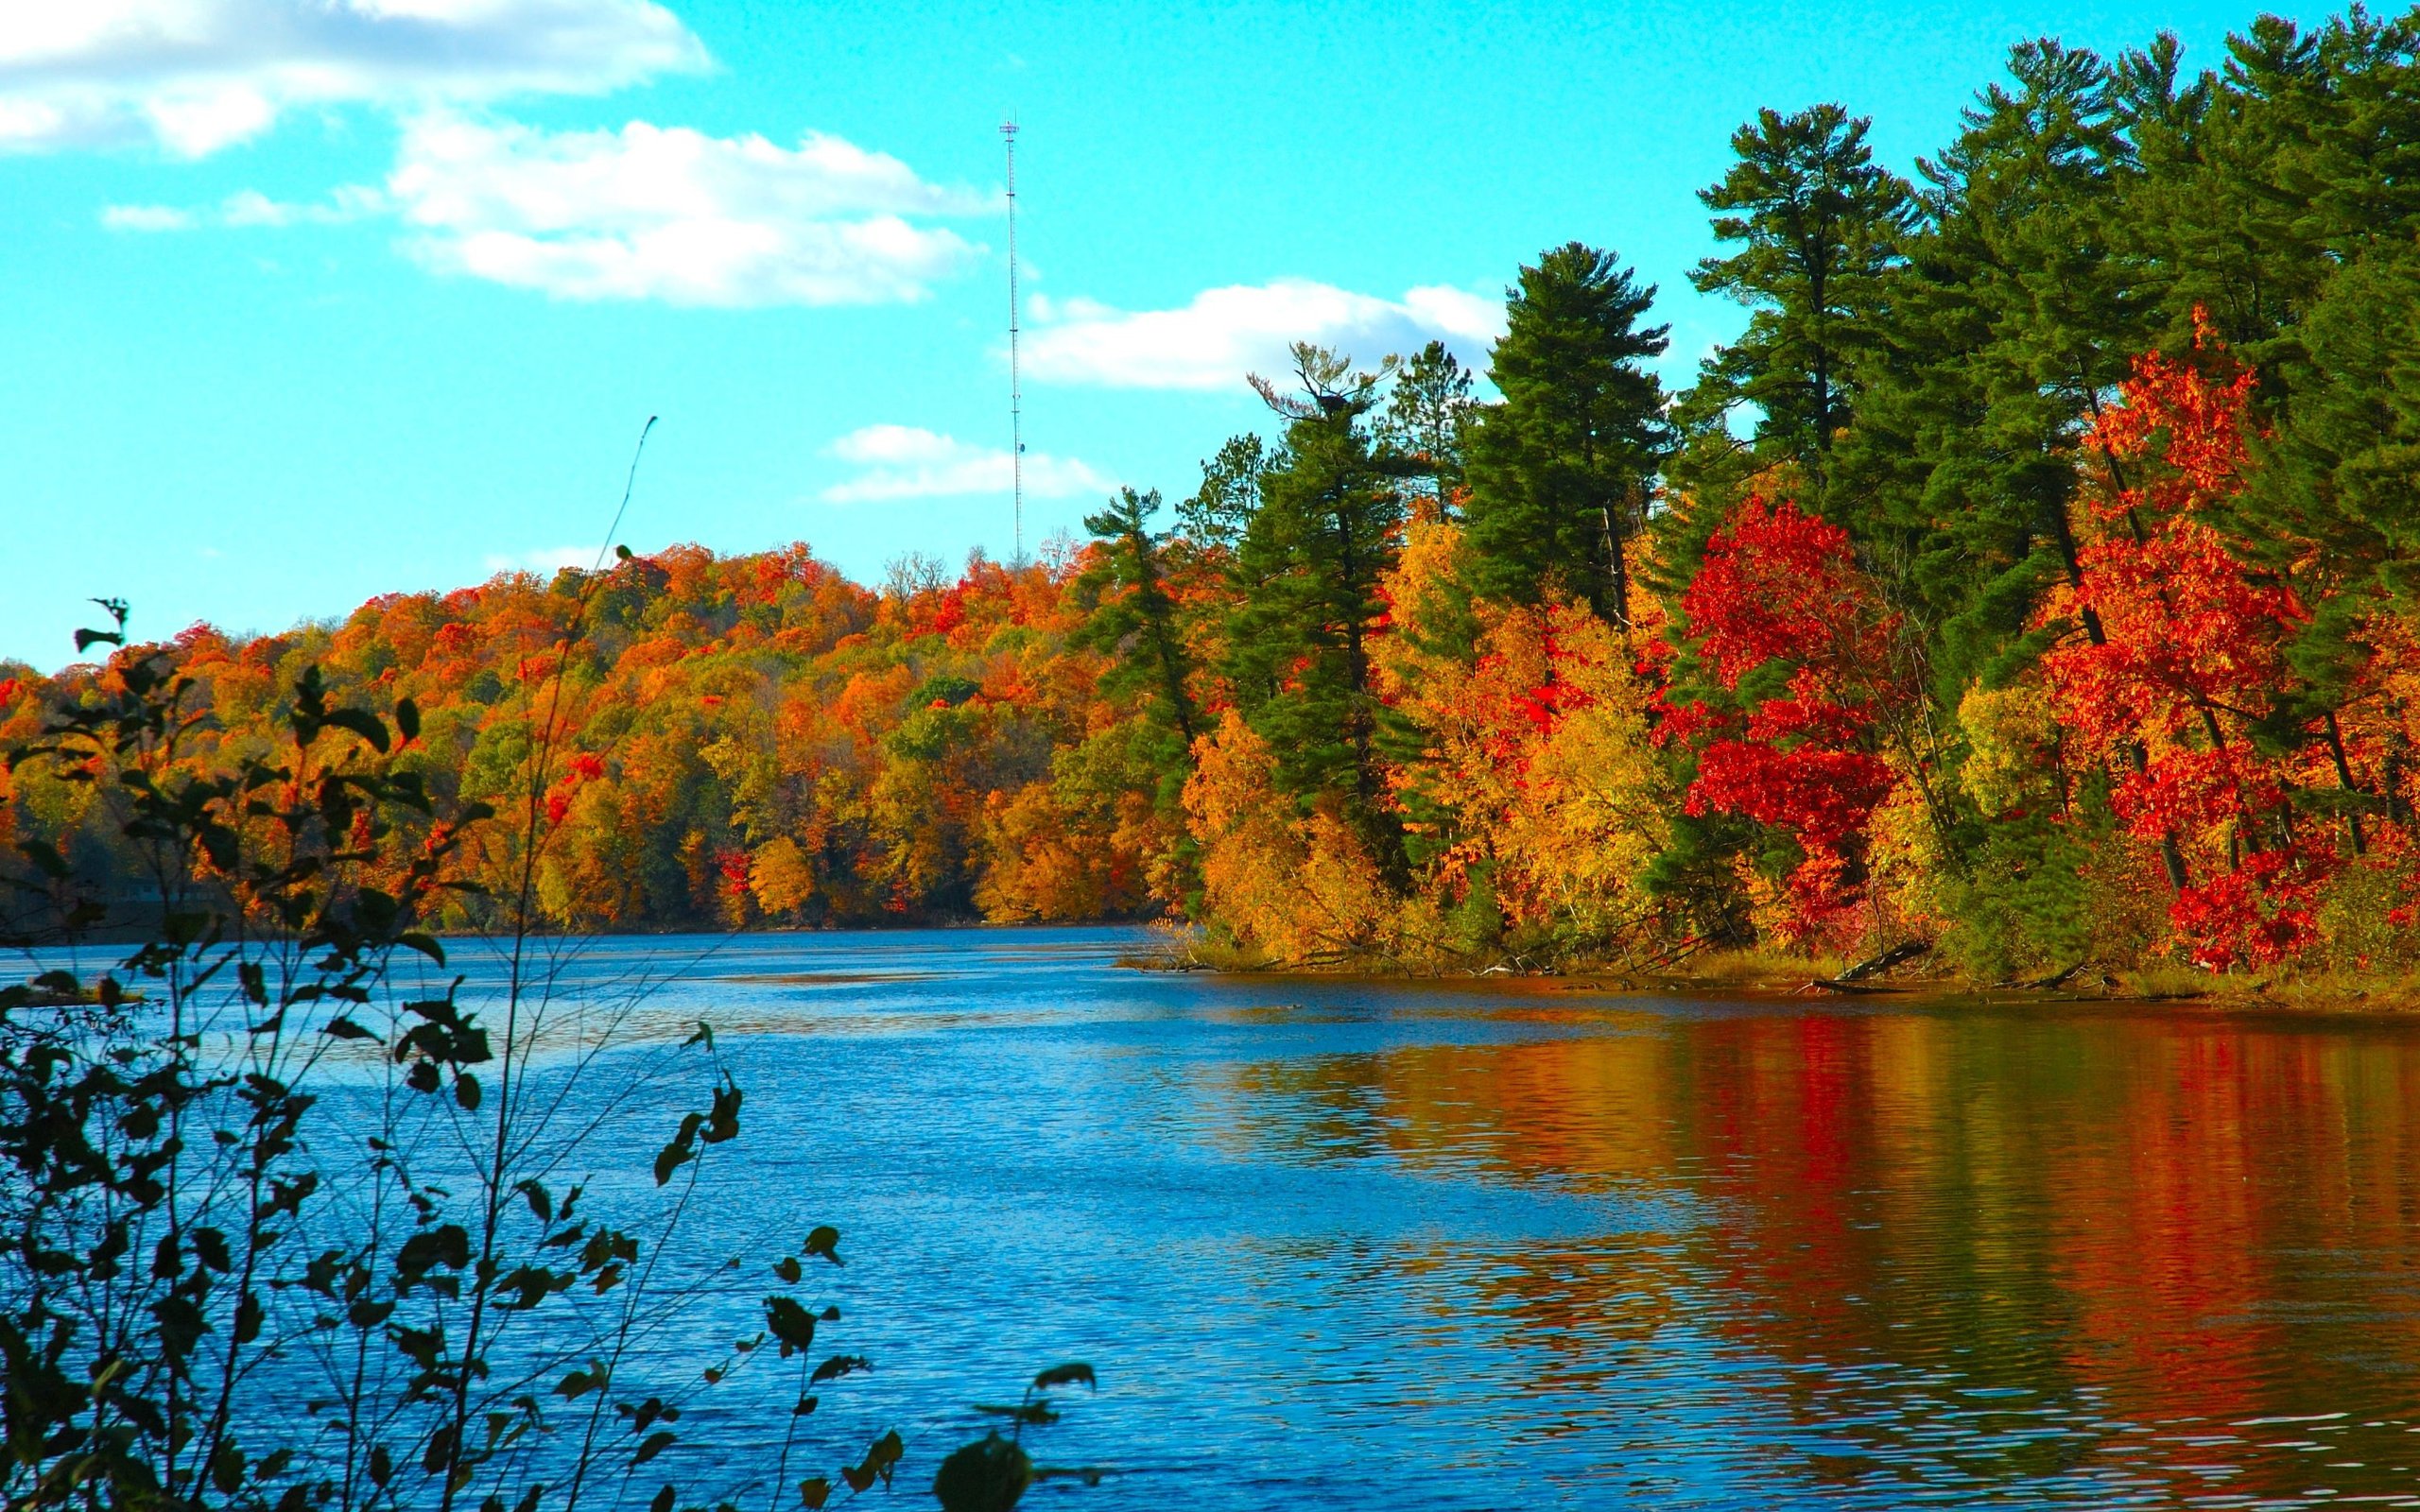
pixel 1016 393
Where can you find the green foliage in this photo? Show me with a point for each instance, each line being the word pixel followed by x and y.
pixel 1136 621
pixel 1559 471
pixel 181 1211
pixel 1216 514
pixel 1818 225
pixel 2026 904
pixel 1307 575
pixel 1425 428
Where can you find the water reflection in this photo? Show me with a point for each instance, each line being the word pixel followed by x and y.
pixel 2148 1257
pixel 1360 1246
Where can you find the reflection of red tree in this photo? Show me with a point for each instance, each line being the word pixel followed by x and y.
pixel 2162 1270
pixel 2126 1222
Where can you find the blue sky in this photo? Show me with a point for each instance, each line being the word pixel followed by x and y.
pixel 312 300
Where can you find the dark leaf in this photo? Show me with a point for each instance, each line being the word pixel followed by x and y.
pixel 424 943
pixel 790 1323
pixel 655 1443
pixel 45 857
pixel 210 1248
pixel 988 1475
pixel 881 1455
pixel 1068 1374
pixel 368 726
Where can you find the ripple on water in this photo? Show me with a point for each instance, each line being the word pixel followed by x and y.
pixel 1357 1245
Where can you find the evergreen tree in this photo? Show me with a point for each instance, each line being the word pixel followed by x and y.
pixel 2020 309
pixel 1818 224
pixel 2016 313
pixel 1215 514
pixel 1560 470
pixel 1423 428
pixel 1308 571
pixel 2256 197
pixel 1136 620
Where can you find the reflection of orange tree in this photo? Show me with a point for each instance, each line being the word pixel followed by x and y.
pixel 2114 1224
pixel 1590 1109
pixel 2052 1207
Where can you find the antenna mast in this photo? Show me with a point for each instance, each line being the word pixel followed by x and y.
pixel 1016 391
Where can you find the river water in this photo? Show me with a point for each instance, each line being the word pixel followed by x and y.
pixel 1337 1244
pixel 1353 1246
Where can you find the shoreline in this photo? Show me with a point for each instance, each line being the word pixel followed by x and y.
pixel 2363 994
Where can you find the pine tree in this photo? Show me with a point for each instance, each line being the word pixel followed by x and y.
pixel 1307 573
pixel 1424 423
pixel 1818 224
pixel 1560 471
pixel 1214 518
pixel 2016 313
pixel 2020 309
pixel 1136 620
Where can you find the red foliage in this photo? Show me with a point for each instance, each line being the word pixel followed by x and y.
pixel 2192 424
pixel 2194 648
pixel 1822 797
pixel 732 865
pixel 2261 912
pixel 1780 585
pixel 2188 630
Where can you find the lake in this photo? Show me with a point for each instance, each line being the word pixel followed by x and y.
pixel 1355 1246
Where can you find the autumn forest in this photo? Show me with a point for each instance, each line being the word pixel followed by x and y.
pixel 2036 579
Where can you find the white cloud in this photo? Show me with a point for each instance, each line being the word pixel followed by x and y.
pixel 904 462
pixel 1226 332
pixel 545 562
pixel 196 76
pixel 250 207
pixel 671 213
pixel 351 202
pixel 645 213
pixel 147 217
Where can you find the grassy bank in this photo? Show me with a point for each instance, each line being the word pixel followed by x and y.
pixel 1767 972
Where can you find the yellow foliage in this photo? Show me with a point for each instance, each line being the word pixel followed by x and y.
pixel 1907 867
pixel 780 876
pixel 2013 740
pixel 1039 864
pixel 1536 769
pixel 1298 887
pixel 1587 809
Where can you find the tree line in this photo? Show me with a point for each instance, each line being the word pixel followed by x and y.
pixel 2032 577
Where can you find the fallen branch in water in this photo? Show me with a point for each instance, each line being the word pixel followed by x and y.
pixel 1854 979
